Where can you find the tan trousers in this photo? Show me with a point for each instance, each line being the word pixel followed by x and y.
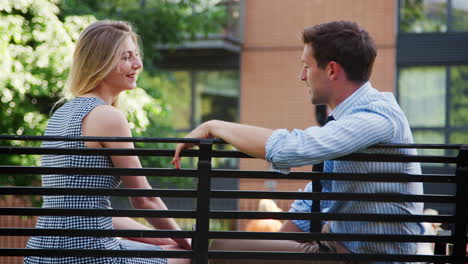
pixel 277 246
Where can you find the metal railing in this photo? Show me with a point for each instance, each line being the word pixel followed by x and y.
pixel 203 194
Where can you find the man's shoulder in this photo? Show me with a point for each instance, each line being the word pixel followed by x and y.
pixel 378 102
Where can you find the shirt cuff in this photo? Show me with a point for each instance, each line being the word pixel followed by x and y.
pixel 273 146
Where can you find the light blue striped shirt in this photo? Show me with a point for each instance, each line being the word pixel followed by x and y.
pixel 366 118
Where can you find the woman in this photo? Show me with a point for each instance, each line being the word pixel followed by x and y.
pixel 105 63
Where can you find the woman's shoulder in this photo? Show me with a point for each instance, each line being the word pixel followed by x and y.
pixel 79 105
pixel 107 113
pixel 106 119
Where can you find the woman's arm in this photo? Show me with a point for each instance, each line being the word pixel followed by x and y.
pixel 107 121
pixel 129 223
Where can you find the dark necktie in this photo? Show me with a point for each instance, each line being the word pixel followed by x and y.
pixel 316 226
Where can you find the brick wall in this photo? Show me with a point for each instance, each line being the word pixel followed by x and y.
pixel 7 221
pixel 271 93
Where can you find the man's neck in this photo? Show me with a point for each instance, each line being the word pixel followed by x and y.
pixel 344 90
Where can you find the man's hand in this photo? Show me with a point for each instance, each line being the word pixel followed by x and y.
pixel 202 131
pixel 248 139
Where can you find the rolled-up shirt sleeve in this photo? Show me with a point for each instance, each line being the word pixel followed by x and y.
pixel 273 146
pixel 287 149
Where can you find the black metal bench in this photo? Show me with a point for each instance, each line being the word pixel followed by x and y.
pixel 203 194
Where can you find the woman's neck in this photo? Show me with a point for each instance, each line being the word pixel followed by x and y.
pixel 107 97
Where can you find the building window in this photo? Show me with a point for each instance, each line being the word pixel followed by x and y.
pixel 422 16
pixel 433 69
pixel 435 100
pixel 199 96
pixel 216 96
pixel 460 15
pixel 196 96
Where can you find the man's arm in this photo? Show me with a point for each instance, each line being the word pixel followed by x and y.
pixel 338 138
pixel 298 147
pixel 248 139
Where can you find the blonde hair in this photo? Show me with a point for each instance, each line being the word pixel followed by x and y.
pixel 96 54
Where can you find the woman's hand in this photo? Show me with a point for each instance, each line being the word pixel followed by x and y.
pixel 184 243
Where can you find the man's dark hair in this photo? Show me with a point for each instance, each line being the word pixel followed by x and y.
pixel 343 42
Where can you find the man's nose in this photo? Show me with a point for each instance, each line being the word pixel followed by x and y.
pixel 303 75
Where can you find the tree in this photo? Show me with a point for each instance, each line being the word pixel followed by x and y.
pixel 35 48
pixel 156 21
pixel 421 16
pixel 36 44
pixel 459 104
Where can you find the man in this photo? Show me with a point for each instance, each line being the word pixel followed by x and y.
pixel 337 63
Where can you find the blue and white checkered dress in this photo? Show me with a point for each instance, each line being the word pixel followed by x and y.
pixel 66 121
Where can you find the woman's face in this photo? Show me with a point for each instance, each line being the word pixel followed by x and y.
pixel 124 75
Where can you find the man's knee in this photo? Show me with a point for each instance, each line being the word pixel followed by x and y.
pixel 222 245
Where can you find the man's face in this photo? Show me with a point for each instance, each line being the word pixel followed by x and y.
pixel 314 77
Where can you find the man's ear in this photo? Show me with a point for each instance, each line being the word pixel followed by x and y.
pixel 334 70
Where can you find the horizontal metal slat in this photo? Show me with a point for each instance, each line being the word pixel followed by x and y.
pixel 99 171
pixel 96 253
pixel 233 154
pixel 97 212
pixel 94 232
pixel 324 256
pixel 223 235
pixel 332 216
pixel 96 192
pixel 375 197
pixel 374 177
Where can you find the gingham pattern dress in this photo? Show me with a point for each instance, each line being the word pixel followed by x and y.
pixel 66 121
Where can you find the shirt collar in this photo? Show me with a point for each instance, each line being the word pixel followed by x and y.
pixel 344 107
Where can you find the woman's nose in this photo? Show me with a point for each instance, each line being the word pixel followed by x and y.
pixel 137 64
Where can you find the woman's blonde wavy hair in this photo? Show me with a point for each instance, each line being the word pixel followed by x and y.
pixel 96 54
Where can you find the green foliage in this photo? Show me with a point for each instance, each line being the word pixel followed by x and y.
pixel 460 19
pixel 422 16
pixel 459 102
pixel 36 45
pixel 158 113
pixel 156 21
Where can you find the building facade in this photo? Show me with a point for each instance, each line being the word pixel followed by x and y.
pixel 422 58
pixel 272 95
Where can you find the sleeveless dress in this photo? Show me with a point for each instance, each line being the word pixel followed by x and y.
pixel 66 121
